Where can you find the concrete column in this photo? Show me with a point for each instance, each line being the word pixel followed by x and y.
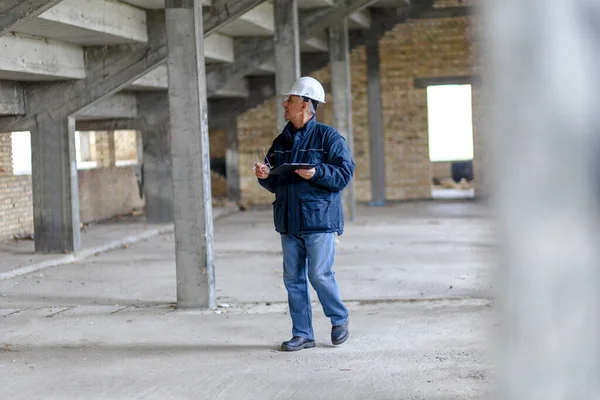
pixel 287 51
pixel 232 160
pixel 544 85
pixel 480 150
pixel 153 111
pixel 55 188
pixel 139 146
pixel 376 135
pixel 190 154
pixel 341 90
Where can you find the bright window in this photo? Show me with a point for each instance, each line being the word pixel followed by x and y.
pixel 21 153
pixel 450 123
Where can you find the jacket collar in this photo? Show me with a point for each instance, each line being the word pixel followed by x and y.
pixel 290 130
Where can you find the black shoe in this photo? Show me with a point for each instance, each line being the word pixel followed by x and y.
pixel 297 343
pixel 339 334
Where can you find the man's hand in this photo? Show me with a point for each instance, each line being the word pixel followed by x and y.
pixel 306 173
pixel 261 171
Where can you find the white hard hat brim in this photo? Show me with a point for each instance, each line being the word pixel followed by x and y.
pixel 299 95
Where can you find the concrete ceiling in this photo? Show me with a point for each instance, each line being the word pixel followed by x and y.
pixel 155 4
pixel 257 22
pixel 157 79
pixel 26 58
pixel 391 3
pixel 315 44
pixel 314 3
pixel 89 23
pixel 265 69
pixel 49 47
pixel 71 34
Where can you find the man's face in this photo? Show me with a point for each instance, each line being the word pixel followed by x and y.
pixel 294 107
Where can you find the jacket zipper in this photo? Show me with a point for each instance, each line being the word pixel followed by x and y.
pixel 294 177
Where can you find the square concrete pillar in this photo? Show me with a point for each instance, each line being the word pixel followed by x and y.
pixel 542 89
pixel 287 51
pixel 234 192
pixel 55 188
pixel 341 90
pixel 376 138
pixel 190 155
pixel 153 112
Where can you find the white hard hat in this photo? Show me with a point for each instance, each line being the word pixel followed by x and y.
pixel 308 87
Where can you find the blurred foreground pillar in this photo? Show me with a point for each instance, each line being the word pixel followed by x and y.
pixel 543 77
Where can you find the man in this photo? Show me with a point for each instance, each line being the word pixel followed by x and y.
pixel 308 210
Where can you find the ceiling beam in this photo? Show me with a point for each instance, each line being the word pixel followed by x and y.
pixel 12 101
pixel 383 20
pixel 252 53
pixel 16 12
pixel 111 68
pixel 107 124
pixel 122 105
pixel 317 20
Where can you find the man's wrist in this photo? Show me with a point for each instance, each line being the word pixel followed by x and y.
pixel 317 173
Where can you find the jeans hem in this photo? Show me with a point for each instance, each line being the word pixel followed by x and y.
pixel 340 323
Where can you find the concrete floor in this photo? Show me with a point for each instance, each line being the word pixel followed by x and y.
pixel 20 254
pixel 416 278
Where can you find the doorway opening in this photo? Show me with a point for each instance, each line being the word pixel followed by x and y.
pixel 450 120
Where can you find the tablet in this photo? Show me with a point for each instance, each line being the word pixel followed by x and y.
pixel 291 167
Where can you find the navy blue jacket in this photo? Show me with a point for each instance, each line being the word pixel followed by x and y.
pixel 314 205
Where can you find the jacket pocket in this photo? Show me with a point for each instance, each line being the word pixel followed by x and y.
pixel 279 215
pixel 315 215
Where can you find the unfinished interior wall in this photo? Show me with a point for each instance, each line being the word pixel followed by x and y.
pixel 108 192
pixel 16 201
pixel 441 170
pixel 125 145
pixel 105 149
pixel 103 193
pixel 417 49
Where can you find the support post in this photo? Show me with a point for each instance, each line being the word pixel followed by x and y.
pixel 153 111
pixel 544 86
pixel 341 90
pixel 190 155
pixel 232 160
pixel 287 51
pixel 376 134
pixel 55 187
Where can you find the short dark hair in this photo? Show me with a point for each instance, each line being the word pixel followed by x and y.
pixel 314 102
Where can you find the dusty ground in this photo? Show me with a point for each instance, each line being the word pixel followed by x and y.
pixel 416 278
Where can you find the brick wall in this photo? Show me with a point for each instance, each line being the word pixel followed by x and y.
pixel 16 204
pixel 105 149
pixel 125 145
pixel 441 170
pixel 6 167
pixel 103 193
pixel 218 150
pixel 418 49
pixel 217 143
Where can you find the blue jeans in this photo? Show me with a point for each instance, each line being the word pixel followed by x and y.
pixel 311 257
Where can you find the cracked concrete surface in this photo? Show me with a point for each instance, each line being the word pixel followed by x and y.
pixel 415 276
